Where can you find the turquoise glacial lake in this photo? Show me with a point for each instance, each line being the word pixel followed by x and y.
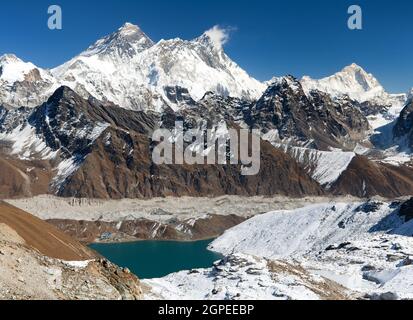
pixel 155 259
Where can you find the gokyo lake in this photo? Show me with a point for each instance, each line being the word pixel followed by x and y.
pixel 155 259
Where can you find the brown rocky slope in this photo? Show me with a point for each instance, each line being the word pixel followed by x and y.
pixel 42 236
pixel 33 264
pixel 365 178
pixel 111 171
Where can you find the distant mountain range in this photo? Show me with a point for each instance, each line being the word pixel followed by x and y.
pixel 84 128
pixel 129 69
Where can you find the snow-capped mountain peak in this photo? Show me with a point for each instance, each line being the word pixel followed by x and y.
pixel 9 57
pixel 127 41
pixel 23 83
pixel 353 81
pixel 128 69
pixel 129 28
pixel 365 80
pixel 13 69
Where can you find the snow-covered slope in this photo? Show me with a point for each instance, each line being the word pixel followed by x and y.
pixel 25 144
pixel 23 83
pixel 299 231
pixel 127 68
pixel 366 247
pixel 244 277
pixel 324 166
pixel 353 81
pixel 13 69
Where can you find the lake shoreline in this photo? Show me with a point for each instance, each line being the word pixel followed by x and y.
pixel 158 240
pixel 150 259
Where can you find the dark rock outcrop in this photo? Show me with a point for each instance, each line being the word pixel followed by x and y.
pixel 406 210
pixel 315 120
pixel 404 124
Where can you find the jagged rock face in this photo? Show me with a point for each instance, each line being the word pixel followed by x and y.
pixel 283 107
pixel 308 120
pixel 211 112
pixel 179 96
pixel 238 110
pixel 369 108
pixel 404 124
pixel 25 93
pixel 94 149
pixel 70 123
pixel 103 151
pixel 11 119
pixel 115 171
pixel 341 117
pixel 66 127
pixel 64 124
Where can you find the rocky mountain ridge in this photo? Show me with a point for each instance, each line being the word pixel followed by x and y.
pixel 103 151
pixel 85 129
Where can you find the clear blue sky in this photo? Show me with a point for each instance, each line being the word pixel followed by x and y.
pixel 270 37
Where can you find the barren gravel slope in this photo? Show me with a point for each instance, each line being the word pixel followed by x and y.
pixel 33 266
pixel 42 236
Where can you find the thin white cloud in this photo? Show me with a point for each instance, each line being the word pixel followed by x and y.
pixel 219 36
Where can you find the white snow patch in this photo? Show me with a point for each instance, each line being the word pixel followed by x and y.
pixel 26 144
pixel 77 264
pixel 324 166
